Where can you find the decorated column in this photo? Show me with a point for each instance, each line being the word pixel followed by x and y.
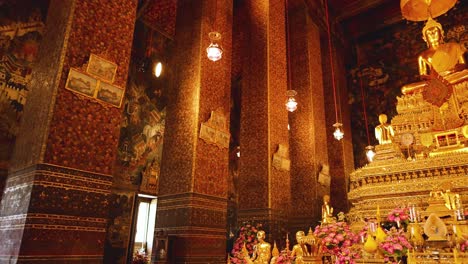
pixel 310 178
pixel 192 202
pixel 264 183
pixel 55 204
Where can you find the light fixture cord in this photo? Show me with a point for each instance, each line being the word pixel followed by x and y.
pixel 331 59
pixel 213 14
pixel 288 46
pixel 364 109
pixel 149 47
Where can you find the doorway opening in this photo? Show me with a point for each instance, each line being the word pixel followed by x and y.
pixel 143 228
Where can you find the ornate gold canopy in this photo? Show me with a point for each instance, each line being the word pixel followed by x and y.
pixel 421 10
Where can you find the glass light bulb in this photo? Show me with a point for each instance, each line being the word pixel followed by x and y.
pixel 214 52
pixel 291 104
pixel 158 69
pixel 370 154
pixel 338 134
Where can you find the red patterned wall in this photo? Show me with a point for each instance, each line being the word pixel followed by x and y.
pixel 84 134
pixel 161 15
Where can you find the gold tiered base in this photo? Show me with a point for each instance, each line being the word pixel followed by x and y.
pixel 402 182
pixel 311 260
pixel 387 152
pixel 435 141
pixel 437 158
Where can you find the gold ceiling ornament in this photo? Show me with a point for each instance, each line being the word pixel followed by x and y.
pixel 421 10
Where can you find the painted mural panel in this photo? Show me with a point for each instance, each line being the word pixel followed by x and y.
pixel 20 36
pixel 143 122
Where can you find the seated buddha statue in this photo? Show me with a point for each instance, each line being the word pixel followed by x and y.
pixel 297 250
pixel 384 132
pixel 262 251
pixel 443 58
pixel 327 211
pixel 387 149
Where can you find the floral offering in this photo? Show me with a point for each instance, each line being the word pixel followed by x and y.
pixel 396 244
pixel 399 215
pixel 348 255
pixel 140 259
pixel 247 234
pixel 464 246
pixel 335 237
pixel 284 257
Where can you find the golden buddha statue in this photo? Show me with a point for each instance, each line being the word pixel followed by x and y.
pixel 384 132
pixel 297 249
pixel 442 57
pixel 262 251
pixel 327 211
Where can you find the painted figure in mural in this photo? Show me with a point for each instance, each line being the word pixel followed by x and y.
pixel 327 211
pixel 444 58
pixel 262 251
pixel 297 249
pixel 384 132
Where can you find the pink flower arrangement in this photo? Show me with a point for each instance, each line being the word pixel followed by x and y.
pixel 348 255
pixel 247 235
pixel 464 246
pixel 140 259
pixel 335 237
pixel 284 257
pixel 395 245
pixel 399 215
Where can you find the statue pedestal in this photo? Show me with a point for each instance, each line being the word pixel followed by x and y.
pixel 388 152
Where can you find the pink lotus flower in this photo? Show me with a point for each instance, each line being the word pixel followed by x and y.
pixel 335 237
pixel 395 245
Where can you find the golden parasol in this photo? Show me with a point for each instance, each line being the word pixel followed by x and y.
pixel 421 10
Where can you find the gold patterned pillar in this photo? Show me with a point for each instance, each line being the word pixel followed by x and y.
pixel 55 203
pixel 192 202
pixel 310 179
pixel 264 188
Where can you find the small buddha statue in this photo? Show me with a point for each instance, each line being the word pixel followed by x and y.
pixel 452 200
pixel 262 251
pixel 327 211
pixel 384 132
pixel 297 249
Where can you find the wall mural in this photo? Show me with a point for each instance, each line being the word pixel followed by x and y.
pixel 143 122
pixel 142 130
pixel 385 62
pixel 20 36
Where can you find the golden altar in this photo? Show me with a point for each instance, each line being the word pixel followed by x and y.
pixel 425 166
pixel 435 159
